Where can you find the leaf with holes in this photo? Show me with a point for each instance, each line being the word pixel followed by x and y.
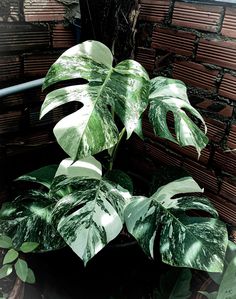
pixel 89 218
pixel 125 88
pixel 195 242
pixel 169 95
pixel 28 219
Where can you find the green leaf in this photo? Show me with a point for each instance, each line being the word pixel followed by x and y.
pixel 5 241
pixel 28 246
pixel 10 256
pixel 193 242
pixel 175 284
pixel 30 277
pixel 28 219
pixel 87 167
pixel 5 270
pixel 91 217
pixel 121 178
pixel 227 289
pixel 212 295
pixel 169 95
pixel 43 175
pixel 21 268
pixel 92 129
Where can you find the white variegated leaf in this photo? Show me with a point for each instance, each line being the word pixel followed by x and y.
pixel 169 95
pixel 88 219
pixel 194 242
pixel 181 186
pixel 125 88
pixel 142 218
pixel 87 167
pixel 185 241
pixel 28 219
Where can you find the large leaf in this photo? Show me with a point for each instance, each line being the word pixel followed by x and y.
pixel 43 175
pixel 169 95
pixel 195 242
pixel 89 167
pixel 125 88
pixel 28 219
pixel 88 219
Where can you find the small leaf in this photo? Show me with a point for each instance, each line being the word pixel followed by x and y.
pixel 5 242
pixel 10 256
pixel 5 271
pixel 29 246
pixel 30 277
pixel 21 268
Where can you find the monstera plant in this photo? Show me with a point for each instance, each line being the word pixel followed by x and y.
pixel 85 203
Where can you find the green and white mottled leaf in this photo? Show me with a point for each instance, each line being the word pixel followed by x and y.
pixel 88 219
pixel 5 270
pixel 28 246
pixel 169 95
pixel 5 241
pixel 193 242
pixel 30 276
pixel 10 256
pixel 43 175
pixel 21 268
pixel 125 88
pixel 28 219
pixel 87 167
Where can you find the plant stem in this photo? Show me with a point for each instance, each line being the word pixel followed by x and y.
pixel 115 148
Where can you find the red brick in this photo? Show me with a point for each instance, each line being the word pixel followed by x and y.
pixel 195 74
pixel 228 87
pixel 226 161
pixel 9 11
pixel 218 52
pixel 215 129
pixel 214 107
pixel 204 177
pixel 154 10
pixel 229 23
pixel 179 42
pixel 228 189
pixel 159 154
pixel 10 67
pixel 23 37
pixel 43 10
pixel 202 17
pixel 62 37
pixel 146 57
pixel 226 209
pixel 38 65
pixel 190 151
pixel 231 141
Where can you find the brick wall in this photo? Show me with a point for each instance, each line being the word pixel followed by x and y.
pixel 196 43
pixel 32 37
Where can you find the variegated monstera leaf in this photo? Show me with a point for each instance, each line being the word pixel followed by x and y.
pixel 91 215
pixel 170 95
pixel 194 242
pixel 122 89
